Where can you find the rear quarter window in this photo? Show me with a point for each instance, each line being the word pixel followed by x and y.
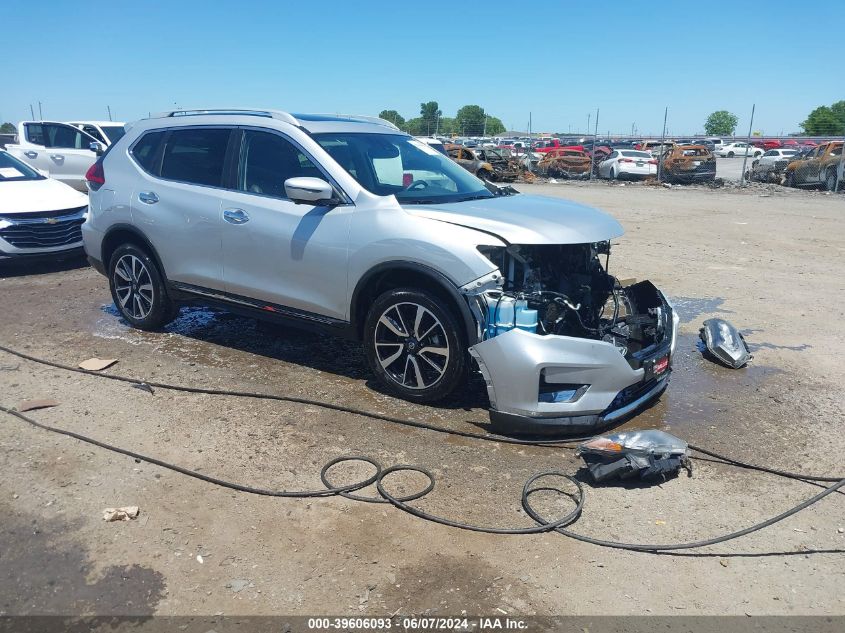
pixel 146 150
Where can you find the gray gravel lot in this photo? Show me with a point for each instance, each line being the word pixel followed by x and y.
pixel 768 259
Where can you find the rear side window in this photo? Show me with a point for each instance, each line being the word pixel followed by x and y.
pixel 267 160
pixel 195 156
pixel 145 152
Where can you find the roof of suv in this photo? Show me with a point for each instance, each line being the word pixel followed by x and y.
pixel 314 123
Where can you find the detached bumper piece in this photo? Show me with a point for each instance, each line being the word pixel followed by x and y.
pixel 724 343
pixel 636 454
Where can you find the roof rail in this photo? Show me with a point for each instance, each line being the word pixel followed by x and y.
pixel 358 117
pixel 270 114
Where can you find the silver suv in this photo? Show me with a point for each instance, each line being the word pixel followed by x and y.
pixel 346 224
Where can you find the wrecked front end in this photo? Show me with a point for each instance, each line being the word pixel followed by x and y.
pixel 566 347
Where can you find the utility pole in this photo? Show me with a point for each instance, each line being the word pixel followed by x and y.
pixel 109 109
pixel 747 145
pixel 40 116
pixel 485 126
pixel 32 112
pixel 662 141
pixel 588 124
pixel 595 138
pixel 839 171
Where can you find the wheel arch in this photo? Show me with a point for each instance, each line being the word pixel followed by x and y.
pixel 398 274
pixel 128 234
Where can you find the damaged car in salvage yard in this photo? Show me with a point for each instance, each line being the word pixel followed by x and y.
pixel 685 164
pixel 346 225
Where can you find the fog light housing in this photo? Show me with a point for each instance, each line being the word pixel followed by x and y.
pixel 558 393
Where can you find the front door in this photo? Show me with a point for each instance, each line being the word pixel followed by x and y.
pixel 277 251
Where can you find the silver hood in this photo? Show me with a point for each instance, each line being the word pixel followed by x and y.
pixel 523 219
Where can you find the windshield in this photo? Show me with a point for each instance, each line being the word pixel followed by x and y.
pixel 13 169
pixel 395 164
pixel 114 132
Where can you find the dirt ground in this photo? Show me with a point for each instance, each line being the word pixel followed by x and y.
pixel 768 259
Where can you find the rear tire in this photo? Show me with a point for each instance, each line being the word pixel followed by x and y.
pixel 830 180
pixel 138 290
pixel 613 174
pixel 401 326
pixel 730 154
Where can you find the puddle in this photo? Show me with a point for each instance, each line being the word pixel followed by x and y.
pixel 213 338
pixel 43 571
pixel 702 393
pixel 690 308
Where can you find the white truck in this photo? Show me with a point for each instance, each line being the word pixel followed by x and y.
pixel 107 132
pixel 59 150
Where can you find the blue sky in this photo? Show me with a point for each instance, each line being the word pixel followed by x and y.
pixel 558 60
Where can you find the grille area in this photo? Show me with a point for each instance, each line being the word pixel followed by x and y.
pixel 38 231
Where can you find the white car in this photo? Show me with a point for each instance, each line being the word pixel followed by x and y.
pixel 59 150
pixel 628 163
pixel 738 149
pixel 39 216
pixel 718 143
pixel 107 132
pixel 772 156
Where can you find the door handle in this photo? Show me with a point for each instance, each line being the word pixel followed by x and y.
pixel 236 216
pixel 57 156
pixel 148 197
pixel 31 154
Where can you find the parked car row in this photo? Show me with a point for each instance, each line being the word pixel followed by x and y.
pixel 63 150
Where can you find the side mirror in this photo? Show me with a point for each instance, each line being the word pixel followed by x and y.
pixel 97 148
pixel 305 190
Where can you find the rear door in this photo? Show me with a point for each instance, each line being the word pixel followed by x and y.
pixel 274 250
pixel 176 200
pixel 68 153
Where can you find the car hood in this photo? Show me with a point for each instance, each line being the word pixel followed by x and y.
pixel 28 196
pixel 524 219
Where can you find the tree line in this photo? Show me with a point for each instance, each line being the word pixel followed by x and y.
pixel 470 120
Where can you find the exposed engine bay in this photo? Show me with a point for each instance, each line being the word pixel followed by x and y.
pixel 566 290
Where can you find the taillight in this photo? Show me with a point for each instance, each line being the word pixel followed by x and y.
pixel 653 161
pixel 626 160
pixel 95 176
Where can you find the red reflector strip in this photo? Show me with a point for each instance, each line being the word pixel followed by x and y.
pixel 661 365
pixel 269 309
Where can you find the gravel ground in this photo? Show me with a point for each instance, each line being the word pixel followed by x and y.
pixel 766 258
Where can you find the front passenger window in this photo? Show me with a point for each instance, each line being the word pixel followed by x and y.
pixel 268 160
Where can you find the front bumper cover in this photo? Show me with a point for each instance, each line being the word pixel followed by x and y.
pixel 512 363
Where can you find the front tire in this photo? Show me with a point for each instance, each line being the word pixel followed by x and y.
pixel 138 290
pixel 730 154
pixel 414 345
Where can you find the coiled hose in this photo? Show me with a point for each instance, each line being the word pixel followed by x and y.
pixel 543 524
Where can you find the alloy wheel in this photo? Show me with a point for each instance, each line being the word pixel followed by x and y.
pixel 411 345
pixel 133 287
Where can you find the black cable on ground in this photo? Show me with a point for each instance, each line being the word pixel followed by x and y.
pixel 553 443
pixel 544 525
pixel 295 399
pixel 328 491
pixel 400 502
